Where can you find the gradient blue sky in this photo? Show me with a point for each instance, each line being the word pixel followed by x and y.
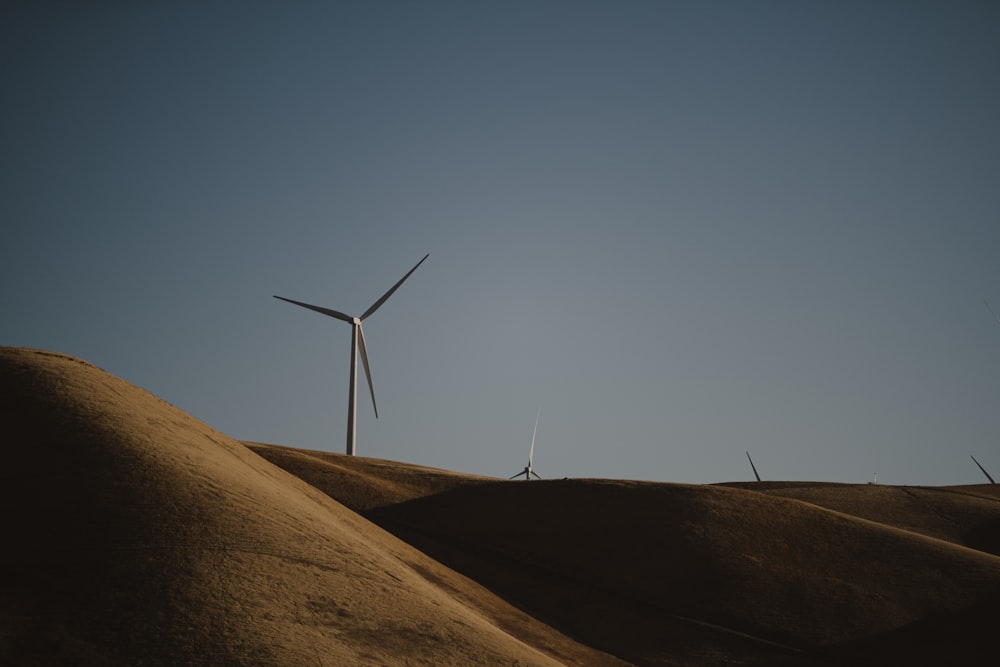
pixel 680 229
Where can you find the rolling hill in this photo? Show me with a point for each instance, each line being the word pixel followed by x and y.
pixel 139 535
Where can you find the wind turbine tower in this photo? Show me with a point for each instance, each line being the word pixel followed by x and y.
pixel 528 470
pixel 357 345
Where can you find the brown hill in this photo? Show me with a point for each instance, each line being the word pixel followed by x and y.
pixel 676 574
pixel 137 535
pixel 140 534
pixel 362 483
pixel 966 515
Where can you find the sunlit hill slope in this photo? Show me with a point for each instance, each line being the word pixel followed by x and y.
pixel 137 534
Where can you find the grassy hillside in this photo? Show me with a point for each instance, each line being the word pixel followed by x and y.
pixel 137 534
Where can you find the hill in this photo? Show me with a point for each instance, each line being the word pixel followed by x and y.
pixel 680 574
pixel 138 534
pixel 967 515
pixel 363 483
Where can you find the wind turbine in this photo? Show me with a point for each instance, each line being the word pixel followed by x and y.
pixel 995 316
pixel 528 470
pixel 983 469
pixel 357 344
pixel 753 466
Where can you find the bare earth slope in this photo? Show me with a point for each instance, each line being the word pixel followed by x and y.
pixel 135 534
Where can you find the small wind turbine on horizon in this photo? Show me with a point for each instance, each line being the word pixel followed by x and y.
pixel 982 468
pixel 357 345
pixel 993 312
pixel 753 466
pixel 528 470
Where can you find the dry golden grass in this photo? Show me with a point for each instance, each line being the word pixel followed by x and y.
pixel 966 515
pixel 138 534
pixel 362 483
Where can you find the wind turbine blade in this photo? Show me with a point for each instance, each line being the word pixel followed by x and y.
pixel 983 469
pixel 319 309
pixel 995 316
pixel 364 359
pixel 753 466
pixel 531 452
pixel 375 306
pixel 516 476
pixel 536 474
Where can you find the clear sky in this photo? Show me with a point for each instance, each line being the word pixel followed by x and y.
pixel 680 229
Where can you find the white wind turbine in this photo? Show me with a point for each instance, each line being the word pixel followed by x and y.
pixel 357 344
pixel 528 470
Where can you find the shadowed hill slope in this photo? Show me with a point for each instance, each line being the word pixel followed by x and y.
pixel 136 534
pixel 679 574
pixel 775 569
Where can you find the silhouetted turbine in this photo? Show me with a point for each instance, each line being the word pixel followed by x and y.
pixel 983 469
pixel 995 316
pixel 528 470
pixel 357 343
pixel 753 466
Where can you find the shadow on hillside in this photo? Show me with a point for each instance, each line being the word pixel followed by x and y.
pixel 524 564
pixel 964 638
pixel 985 537
pixel 638 570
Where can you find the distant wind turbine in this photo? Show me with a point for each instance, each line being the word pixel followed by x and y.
pixel 995 316
pixel 528 470
pixel 753 466
pixel 357 344
pixel 983 469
